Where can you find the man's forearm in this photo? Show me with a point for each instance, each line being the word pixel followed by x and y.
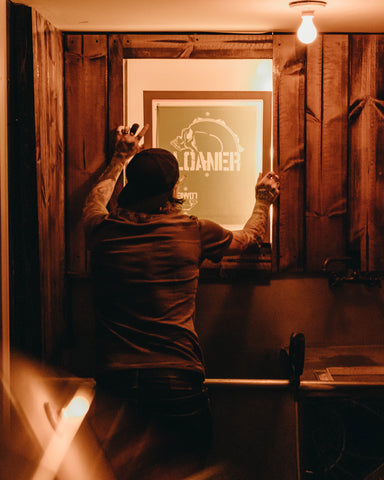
pixel 127 144
pixel 95 207
pixel 254 230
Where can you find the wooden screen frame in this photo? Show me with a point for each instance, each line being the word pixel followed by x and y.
pixel 212 46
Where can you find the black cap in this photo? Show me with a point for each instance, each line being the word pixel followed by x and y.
pixel 151 176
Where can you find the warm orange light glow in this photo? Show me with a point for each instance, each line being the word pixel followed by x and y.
pixel 61 439
pixel 77 407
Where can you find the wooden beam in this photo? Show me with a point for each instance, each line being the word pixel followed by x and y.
pixel 289 150
pixel 326 149
pixel 49 131
pixel 366 173
pixel 196 46
pixel 86 126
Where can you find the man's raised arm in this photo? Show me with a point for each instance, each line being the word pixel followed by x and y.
pixel 267 191
pixel 126 146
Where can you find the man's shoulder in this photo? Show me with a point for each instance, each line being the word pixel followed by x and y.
pixel 211 225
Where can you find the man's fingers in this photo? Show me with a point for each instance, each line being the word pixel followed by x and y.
pixel 273 176
pixel 134 128
pixel 124 130
pixel 270 178
pixel 143 131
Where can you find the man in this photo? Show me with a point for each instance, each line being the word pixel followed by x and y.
pixel 145 268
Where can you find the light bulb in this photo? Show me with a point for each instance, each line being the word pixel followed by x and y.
pixel 307 31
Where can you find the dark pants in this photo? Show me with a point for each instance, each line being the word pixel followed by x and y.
pixel 153 423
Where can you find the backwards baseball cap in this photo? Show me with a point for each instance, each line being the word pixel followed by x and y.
pixel 151 176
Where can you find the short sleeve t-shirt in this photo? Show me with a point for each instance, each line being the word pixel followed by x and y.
pixel 145 271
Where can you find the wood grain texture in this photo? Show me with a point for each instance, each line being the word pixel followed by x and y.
pixel 49 115
pixel 326 149
pixel 197 46
pixel 115 96
pixel 366 182
pixel 86 133
pixel 289 150
pixel 115 80
pixel 25 302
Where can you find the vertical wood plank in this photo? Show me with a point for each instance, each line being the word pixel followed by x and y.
pixel 326 149
pixel 86 133
pixel 314 130
pixel 73 88
pixel 115 78
pixel 116 44
pixel 289 126
pixel 362 90
pixel 49 112
pixel 366 182
pixel 377 245
pixel 24 240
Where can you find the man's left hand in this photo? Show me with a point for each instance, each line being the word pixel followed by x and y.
pixel 268 188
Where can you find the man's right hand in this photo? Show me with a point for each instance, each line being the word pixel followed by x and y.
pixel 127 142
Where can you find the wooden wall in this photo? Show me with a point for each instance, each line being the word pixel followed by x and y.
pixel 328 148
pixel 328 103
pixel 36 184
pixel 311 143
pixel 329 151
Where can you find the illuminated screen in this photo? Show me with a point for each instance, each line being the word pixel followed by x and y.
pixel 221 147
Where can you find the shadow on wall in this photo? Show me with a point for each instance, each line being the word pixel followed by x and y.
pixel 243 327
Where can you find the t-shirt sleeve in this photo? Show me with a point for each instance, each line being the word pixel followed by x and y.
pixel 214 240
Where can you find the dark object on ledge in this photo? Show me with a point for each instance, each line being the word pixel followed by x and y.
pixel 296 357
pixel 345 270
pixel 292 359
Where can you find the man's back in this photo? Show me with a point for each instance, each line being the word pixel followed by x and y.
pixel 145 271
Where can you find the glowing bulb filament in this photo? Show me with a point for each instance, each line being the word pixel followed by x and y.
pixel 307 31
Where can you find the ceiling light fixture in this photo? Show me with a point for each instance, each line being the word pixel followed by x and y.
pixel 307 32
